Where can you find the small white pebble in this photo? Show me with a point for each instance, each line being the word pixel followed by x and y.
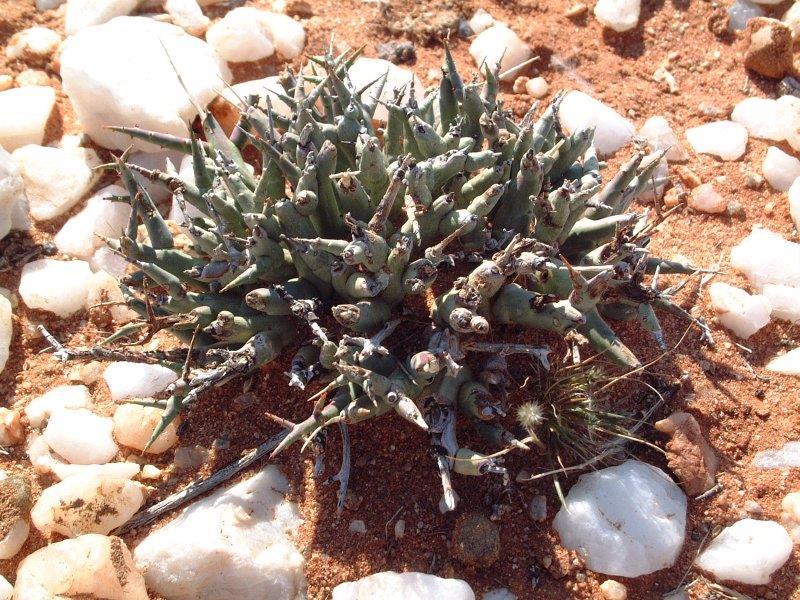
pixel 748 551
pixel 134 424
pixel 537 87
pixel 357 526
pixel 613 590
pixel 57 286
pixel 580 111
pixel 150 472
pixel 496 44
pixel 104 294
pixel 780 169
pixel 6 330
pixel 737 310
pixel 790 515
pixel 6 589
pixel 766 257
pixel 56 179
pixel 39 409
pixel 24 113
pixel 724 139
pixel 660 137
pixel 480 21
pixel 137 380
pixel 187 15
pixel 33 43
pixel 619 15
pixel 704 198
pixel 785 301
pixel 32 78
pixel 787 364
pixel 80 436
pixel 86 504
pixel 11 430
pixel 100 217
pixel 740 12
pixel 247 34
pixel 400 528
pixel 794 202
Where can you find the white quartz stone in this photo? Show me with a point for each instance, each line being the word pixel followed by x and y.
pixel 748 551
pixel 496 44
pixel 262 87
pixel 737 310
pixel 39 409
pixel 134 424
pixel 792 18
pixel 6 589
pixel 619 15
pixel 480 21
pixel 740 12
pixel 187 15
pixel 57 286
pixel 613 590
pixel 33 43
pixel 231 544
pixel 724 139
pixel 137 380
pixel 6 331
pixel 612 131
pixel 11 429
pixel 769 119
pixel 84 13
pixel 105 259
pixel 790 515
pixel 660 136
pixel 104 294
pixel 794 202
pixel 788 364
pixel 55 178
pixel 627 520
pixel 86 504
pixel 92 565
pixel 80 436
pixel 14 538
pixel 785 457
pixel 704 198
pixel 14 207
pixel 115 470
pixel 780 169
pixel 154 161
pixel 42 459
pixel 537 87
pixel 24 112
pixel 186 173
pixel 15 528
pixel 100 217
pixel 247 33
pixel 390 585
pixel 785 301
pixel 365 70
pixel 766 257
pixel 146 93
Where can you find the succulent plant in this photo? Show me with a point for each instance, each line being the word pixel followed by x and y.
pixel 494 224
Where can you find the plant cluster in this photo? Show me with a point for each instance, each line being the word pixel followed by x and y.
pixel 318 249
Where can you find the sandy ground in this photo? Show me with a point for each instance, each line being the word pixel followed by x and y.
pixel 741 408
